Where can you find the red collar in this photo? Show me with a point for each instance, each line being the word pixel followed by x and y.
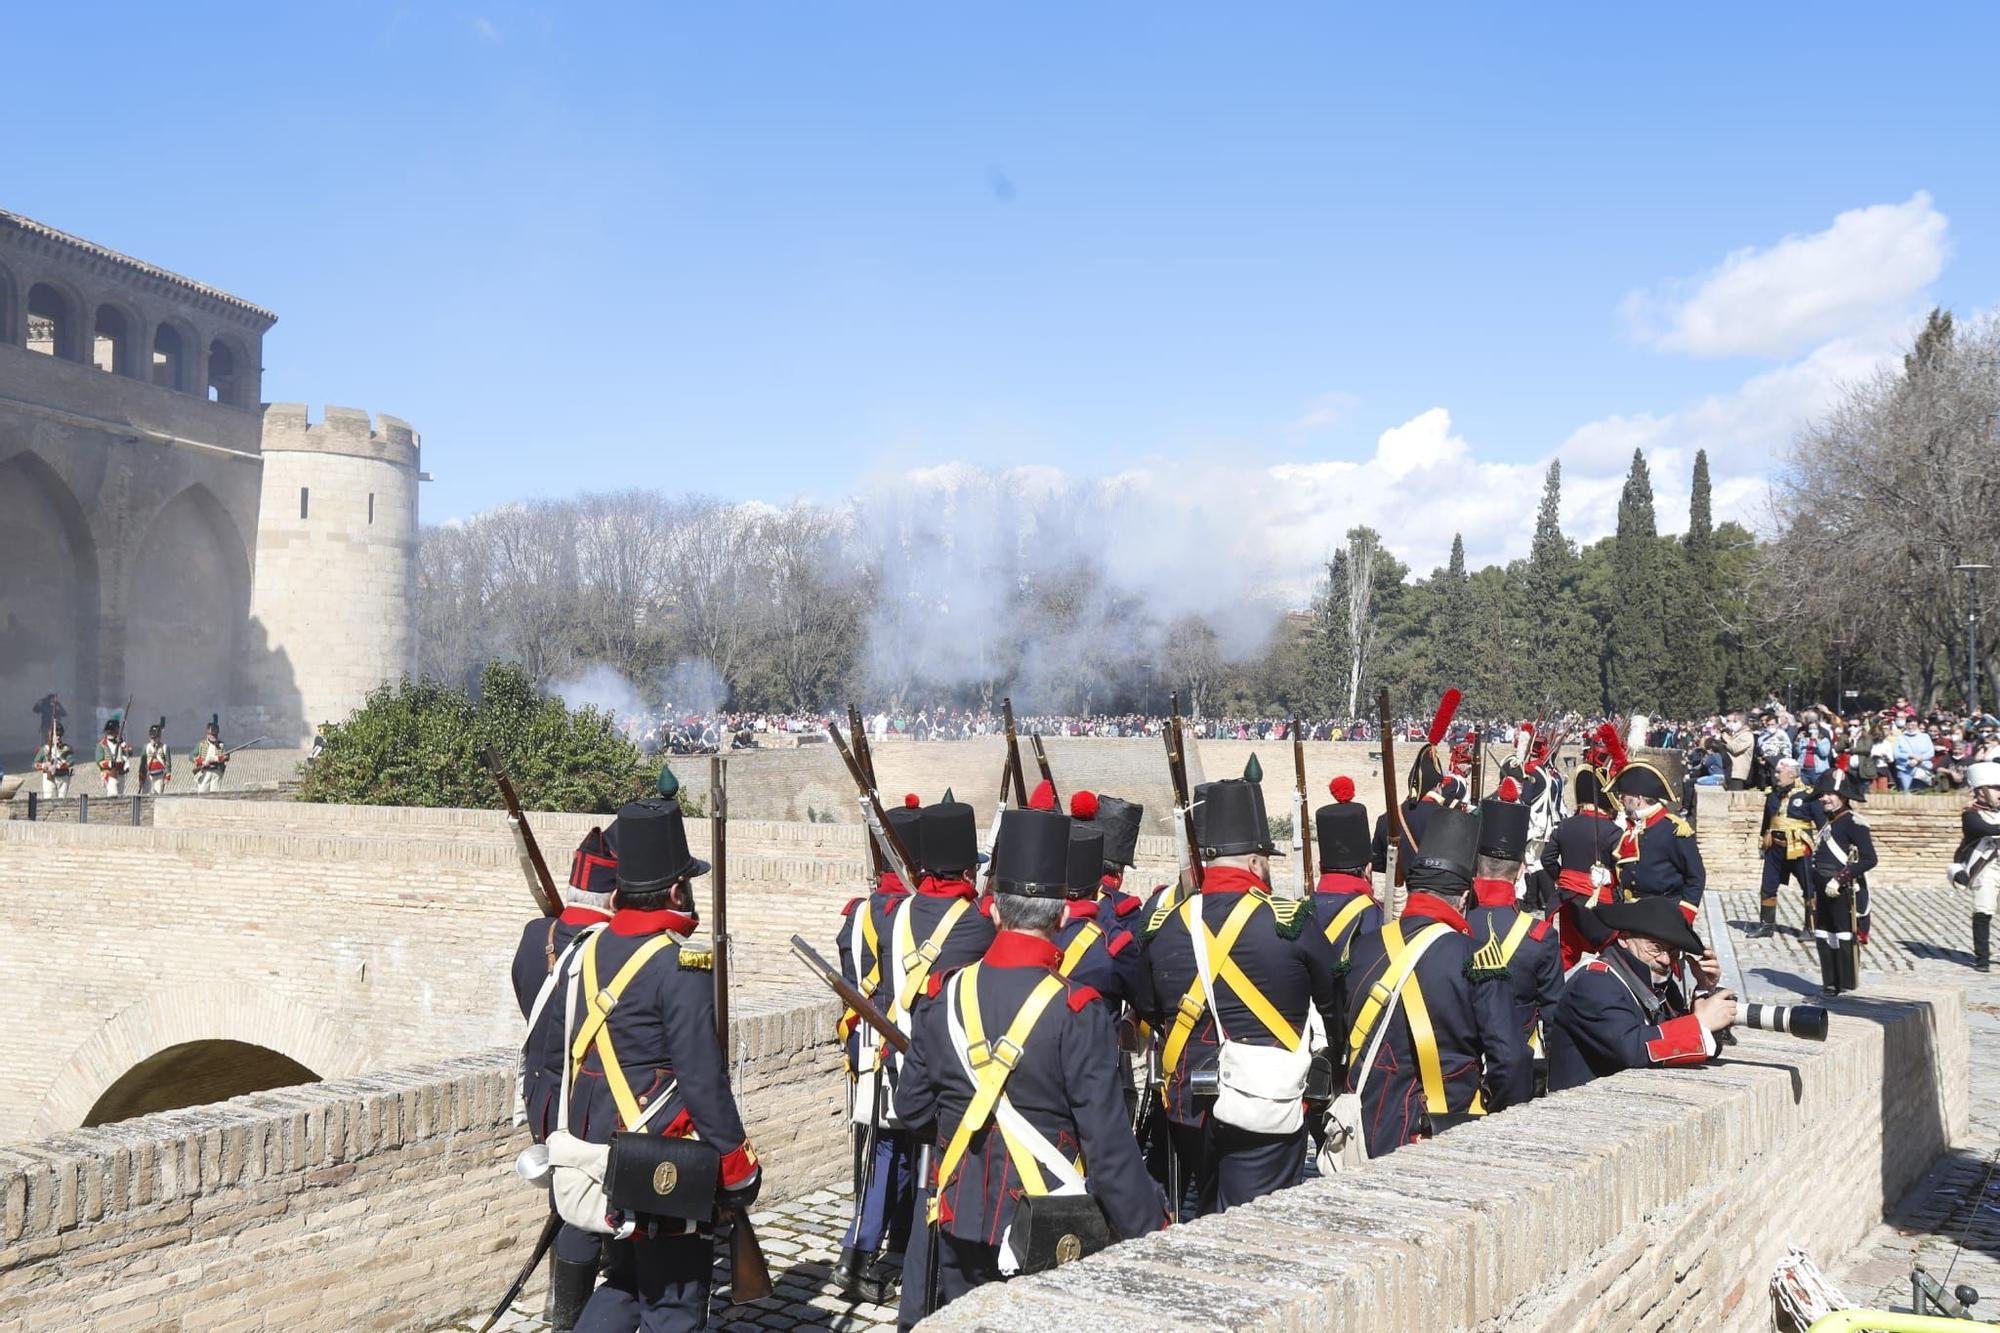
pixel 1113 879
pixel 932 886
pixel 1014 948
pixel 1231 879
pixel 1592 812
pixel 891 885
pixel 576 914
pixel 1080 909
pixel 1334 882
pixel 1494 892
pixel 1433 908
pixel 627 921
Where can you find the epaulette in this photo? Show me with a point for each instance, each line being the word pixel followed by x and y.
pixel 852 903
pixel 1126 905
pixel 1292 915
pixel 1681 826
pixel 1597 965
pixel 1161 915
pixel 1489 963
pixel 934 985
pixel 1540 930
pixel 1118 943
pixel 1079 996
pixel 697 960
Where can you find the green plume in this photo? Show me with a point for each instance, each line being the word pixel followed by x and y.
pixel 1253 771
pixel 669 785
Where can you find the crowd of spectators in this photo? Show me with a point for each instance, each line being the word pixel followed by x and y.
pixel 1892 749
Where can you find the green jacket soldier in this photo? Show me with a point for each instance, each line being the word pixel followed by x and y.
pixel 55 761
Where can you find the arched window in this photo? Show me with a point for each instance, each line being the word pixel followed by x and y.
pixel 51 322
pixel 111 345
pixel 169 358
pixel 223 385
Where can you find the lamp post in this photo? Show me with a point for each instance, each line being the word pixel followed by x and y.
pixel 1971 573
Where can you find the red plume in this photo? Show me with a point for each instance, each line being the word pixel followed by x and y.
pixel 1342 789
pixel 1441 722
pixel 1614 747
pixel 1043 797
pixel 1510 790
pixel 1083 805
pixel 912 800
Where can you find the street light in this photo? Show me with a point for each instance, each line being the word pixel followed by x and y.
pixel 1971 573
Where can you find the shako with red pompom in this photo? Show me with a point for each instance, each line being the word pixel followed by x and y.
pixel 1083 805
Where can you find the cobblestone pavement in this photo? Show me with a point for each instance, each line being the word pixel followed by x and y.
pixel 1918 932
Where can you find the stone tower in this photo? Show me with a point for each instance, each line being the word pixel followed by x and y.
pixel 336 558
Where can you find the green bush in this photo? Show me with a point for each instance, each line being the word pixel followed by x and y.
pixel 418 742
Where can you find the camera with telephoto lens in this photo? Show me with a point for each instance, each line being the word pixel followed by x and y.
pixel 1807 1021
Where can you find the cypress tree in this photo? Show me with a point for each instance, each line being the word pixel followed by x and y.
pixel 1637 646
pixel 1559 645
pixel 1693 688
pixel 1453 621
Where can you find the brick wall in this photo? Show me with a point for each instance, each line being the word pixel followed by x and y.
pixel 1914 835
pixel 375 1202
pixel 1654 1200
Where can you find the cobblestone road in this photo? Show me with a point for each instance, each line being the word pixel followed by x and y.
pixel 1917 932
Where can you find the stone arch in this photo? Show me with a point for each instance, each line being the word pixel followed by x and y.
pixel 114 338
pixel 185 606
pixel 55 320
pixel 173 350
pixel 10 300
pixel 48 594
pixel 226 372
pixel 181 1016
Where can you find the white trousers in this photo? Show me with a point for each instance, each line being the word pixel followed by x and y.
pixel 207 779
pixel 113 785
pixel 53 787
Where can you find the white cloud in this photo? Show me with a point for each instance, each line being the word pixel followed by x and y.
pixel 1872 264
pixel 1328 409
pixel 485 29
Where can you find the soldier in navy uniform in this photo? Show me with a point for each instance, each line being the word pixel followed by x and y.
pixel 1097 950
pixel 1843 854
pixel 662 1032
pixel 1120 822
pixel 884 1169
pixel 1275 958
pixel 1527 945
pixel 1060 1085
pixel 1648 1000
pixel 1657 854
pixel 1344 899
pixel 1793 818
pixel 1476 1052
pixel 1581 856
pixel 544 943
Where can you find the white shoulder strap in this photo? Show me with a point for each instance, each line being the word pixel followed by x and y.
pixel 569 1036
pixel 1011 1123
pixel 1204 966
pixel 1404 967
pixel 555 973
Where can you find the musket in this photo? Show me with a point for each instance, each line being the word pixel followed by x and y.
pixel 1302 833
pixel 540 883
pixel 865 756
pixel 549 1229
pixel 749 1271
pixel 1014 755
pixel 1478 740
pixel 1042 762
pixel 851 995
pixel 1393 831
pixel 1183 798
pixel 871 814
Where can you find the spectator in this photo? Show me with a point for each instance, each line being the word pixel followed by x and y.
pixel 1813 747
pixel 1914 752
pixel 1741 747
pixel 1882 754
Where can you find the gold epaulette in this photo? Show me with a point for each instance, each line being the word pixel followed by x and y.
pixel 1490 962
pixel 697 960
pixel 1681 826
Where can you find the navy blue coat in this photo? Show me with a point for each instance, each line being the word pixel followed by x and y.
pixel 1535 972
pixel 1797 801
pixel 1416 817
pixel 1601 1028
pixel 1662 859
pixel 1471 1010
pixel 1279 951
pixel 857 959
pixel 1333 895
pixel 1852 838
pixel 542 1062
pixel 1065 1085
pixel 1109 964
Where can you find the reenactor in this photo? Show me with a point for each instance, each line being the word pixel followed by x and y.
pixel 1012 1072
pixel 1793 817
pixel 156 761
pixel 210 758
pixel 1433 786
pixel 1657 854
pixel 1648 1000
pixel 1231 967
pixel 884 1183
pixel 1344 899
pixel 1096 949
pixel 644 1056
pixel 1528 948
pixel 114 756
pixel 546 946
pixel 1975 865
pixel 55 761
pixel 1843 854
pixel 1581 856
pixel 1453 1049
pixel 1120 822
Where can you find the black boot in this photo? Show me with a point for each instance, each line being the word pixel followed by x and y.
pixel 847 1274
pixel 1849 960
pixel 1982 939
pixel 1829 969
pixel 882 1283
pixel 570 1285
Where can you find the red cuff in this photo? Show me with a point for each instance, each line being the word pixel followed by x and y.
pixel 739 1167
pixel 1681 1041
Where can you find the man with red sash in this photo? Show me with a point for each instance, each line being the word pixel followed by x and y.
pixel 1657 855
pixel 1581 856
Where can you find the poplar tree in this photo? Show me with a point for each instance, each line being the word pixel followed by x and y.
pixel 1636 648
pixel 1692 605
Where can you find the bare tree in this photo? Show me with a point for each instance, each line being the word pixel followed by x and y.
pixel 1193 657
pixel 711 581
pixel 814 610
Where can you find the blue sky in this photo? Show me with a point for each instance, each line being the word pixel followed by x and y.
pixel 772 250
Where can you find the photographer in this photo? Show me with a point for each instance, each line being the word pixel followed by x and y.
pixel 1813 747
pixel 1647 1001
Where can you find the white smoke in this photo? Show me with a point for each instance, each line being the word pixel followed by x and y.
pixel 601 687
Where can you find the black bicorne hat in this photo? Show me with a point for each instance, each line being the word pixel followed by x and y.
pixel 1346 842
pixel 1032 855
pixel 1836 782
pixel 1121 821
pixel 1590 794
pixel 1086 859
pixel 1450 846
pixel 1424 771
pixel 1640 778
pixel 1657 917
pixel 947 838
pixel 1503 829
pixel 1229 819
pixel 653 847
pixel 593 866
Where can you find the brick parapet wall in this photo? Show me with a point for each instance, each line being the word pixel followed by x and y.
pixel 1654 1200
pixel 1914 836
pixel 376 1202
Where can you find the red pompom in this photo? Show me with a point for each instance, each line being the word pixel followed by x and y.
pixel 1510 790
pixel 1441 721
pixel 912 800
pixel 1083 805
pixel 1342 788
pixel 1043 797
